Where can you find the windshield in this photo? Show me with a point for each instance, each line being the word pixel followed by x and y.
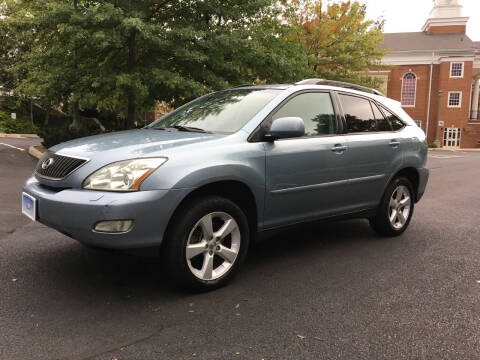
pixel 221 112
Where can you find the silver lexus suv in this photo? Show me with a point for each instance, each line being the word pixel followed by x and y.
pixel 196 186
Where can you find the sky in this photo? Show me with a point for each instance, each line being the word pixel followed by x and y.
pixel 410 15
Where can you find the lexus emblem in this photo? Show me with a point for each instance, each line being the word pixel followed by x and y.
pixel 47 163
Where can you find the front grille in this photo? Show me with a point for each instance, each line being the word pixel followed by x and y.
pixel 57 167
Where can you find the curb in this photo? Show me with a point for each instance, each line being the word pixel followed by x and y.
pixel 456 149
pixel 18 136
pixel 36 151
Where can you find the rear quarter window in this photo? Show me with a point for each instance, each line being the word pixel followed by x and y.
pixel 394 120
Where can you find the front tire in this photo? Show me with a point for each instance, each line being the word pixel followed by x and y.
pixel 206 243
pixel 396 208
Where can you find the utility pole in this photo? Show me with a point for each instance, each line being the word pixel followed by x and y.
pixel 437 141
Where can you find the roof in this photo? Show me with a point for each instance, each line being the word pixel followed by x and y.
pixel 422 41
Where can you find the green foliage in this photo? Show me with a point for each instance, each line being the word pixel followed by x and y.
pixel 340 42
pixel 121 57
pixel 124 56
pixel 432 145
pixel 53 135
pixel 15 126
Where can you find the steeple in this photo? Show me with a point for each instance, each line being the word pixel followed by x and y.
pixel 446 18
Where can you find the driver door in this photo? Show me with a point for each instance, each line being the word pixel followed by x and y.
pixel 306 177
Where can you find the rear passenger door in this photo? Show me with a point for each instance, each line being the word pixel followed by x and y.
pixel 375 149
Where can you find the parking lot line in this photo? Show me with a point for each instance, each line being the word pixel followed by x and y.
pixel 14 147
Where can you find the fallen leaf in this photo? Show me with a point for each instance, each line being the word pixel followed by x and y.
pixel 478 281
pixel 237 306
pixel 122 348
pixel 237 353
pixel 14 280
pixel 237 314
pixel 245 299
pixel 191 311
pixel 301 336
pixel 318 338
pixel 194 354
pixel 191 304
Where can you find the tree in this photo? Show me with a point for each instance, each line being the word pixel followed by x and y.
pixel 340 42
pixel 123 56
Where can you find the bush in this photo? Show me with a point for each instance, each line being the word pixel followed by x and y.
pixel 61 133
pixel 15 126
pixel 432 145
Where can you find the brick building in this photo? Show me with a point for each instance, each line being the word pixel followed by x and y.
pixel 435 74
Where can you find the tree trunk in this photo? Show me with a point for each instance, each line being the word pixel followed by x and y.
pixel 47 116
pixel 131 94
pixel 75 125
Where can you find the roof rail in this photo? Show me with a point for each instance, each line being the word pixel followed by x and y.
pixel 339 84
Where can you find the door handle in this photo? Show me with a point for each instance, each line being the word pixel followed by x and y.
pixel 338 148
pixel 394 143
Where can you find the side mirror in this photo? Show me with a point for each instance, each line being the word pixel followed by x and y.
pixel 286 127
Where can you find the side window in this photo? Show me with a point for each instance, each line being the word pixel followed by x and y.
pixel 358 114
pixel 394 121
pixel 315 109
pixel 382 123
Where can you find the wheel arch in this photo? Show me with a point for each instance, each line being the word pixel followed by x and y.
pixel 234 190
pixel 411 174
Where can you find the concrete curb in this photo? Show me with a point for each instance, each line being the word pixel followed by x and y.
pixel 460 149
pixel 18 136
pixel 36 151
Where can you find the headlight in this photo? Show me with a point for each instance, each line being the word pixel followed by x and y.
pixel 123 175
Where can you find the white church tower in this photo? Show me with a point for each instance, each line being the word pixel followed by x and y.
pixel 446 18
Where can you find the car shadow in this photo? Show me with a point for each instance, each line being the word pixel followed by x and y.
pixel 111 273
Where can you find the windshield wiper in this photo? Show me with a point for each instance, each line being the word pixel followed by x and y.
pixel 179 128
pixel 189 128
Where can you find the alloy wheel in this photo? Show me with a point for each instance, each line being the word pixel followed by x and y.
pixel 213 246
pixel 399 207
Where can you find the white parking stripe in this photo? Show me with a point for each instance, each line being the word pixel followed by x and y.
pixel 14 147
pixel 445 156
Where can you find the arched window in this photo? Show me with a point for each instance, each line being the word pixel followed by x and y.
pixel 409 89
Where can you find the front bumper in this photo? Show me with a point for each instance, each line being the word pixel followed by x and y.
pixel 75 212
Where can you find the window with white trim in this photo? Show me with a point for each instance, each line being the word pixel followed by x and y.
pixel 409 89
pixel 456 69
pixel 455 99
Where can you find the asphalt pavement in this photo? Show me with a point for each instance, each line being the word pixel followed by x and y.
pixel 332 291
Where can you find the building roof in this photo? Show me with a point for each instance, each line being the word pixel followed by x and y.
pixel 422 41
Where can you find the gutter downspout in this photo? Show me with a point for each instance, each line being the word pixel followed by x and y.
pixel 429 96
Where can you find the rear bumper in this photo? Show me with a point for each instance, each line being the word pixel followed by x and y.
pixel 75 212
pixel 423 174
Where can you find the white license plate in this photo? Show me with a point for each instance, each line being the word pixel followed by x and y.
pixel 29 206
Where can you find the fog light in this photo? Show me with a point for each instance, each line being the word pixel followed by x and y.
pixel 113 226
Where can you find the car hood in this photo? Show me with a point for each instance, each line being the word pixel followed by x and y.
pixel 132 143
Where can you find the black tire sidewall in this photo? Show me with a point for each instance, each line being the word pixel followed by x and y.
pixel 174 251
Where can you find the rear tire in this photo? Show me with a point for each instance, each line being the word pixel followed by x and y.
pixel 206 243
pixel 396 208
